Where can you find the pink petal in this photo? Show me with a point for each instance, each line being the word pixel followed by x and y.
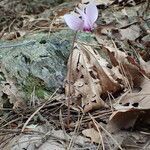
pixel 81 12
pixel 92 12
pixel 74 22
pixel 87 23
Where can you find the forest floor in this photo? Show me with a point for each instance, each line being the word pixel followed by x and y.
pixel 105 99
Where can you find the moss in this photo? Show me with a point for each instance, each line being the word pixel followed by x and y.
pixel 32 83
pixel 40 93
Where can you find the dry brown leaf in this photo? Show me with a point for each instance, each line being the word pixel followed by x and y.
pixel 119 57
pixel 139 100
pixel 62 12
pixel 104 30
pixel 130 33
pixel 9 88
pixel 98 2
pixel 128 71
pixel 122 119
pixel 131 108
pixel 145 66
pixel 92 134
pixel 133 105
pixel 90 78
pixel 13 35
pixel 13 95
pixel 128 119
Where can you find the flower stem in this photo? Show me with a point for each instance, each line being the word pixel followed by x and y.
pixel 69 80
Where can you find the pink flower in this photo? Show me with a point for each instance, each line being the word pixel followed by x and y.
pixel 86 21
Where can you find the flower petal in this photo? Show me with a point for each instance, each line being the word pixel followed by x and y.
pixel 74 22
pixel 87 23
pixel 92 12
pixel 81 12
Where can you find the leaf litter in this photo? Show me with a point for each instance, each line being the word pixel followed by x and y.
pixel 109 80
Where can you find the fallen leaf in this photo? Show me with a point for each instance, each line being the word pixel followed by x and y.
pixel 145 66
pixel 98 2
pixel 132 108
pixel 13 35
pixel 90 78
pixel 129 72
pixel 122 119
pixel 130 33
pixel 13 95
pixel 92 134
pixel 9 88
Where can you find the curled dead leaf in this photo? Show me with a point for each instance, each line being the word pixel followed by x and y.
pixel 13 95
pixel 127 70
pixel 131 109
pixel 92 134
pixel 9 89
pixel 90 78
pixel 122 119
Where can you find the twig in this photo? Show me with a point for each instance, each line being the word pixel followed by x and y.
pixel 9 28
pixel 133 23
pixel 51 25
pixel 108 113
pixel 77 127
pixel 100 135
pixel 110 136
pixel 9 122
pixel 50 99
pixel 63 127
pixel 5 141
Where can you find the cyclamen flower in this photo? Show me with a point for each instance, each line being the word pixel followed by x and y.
pixel 86 21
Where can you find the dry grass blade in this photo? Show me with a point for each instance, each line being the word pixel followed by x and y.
pixel 24 126
pixel 51 25
pixel 79 121
pixel 96 125
pixel 8 123
pixel 63 127
pixel 107 133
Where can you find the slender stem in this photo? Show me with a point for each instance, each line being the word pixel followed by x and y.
pixel 70 74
